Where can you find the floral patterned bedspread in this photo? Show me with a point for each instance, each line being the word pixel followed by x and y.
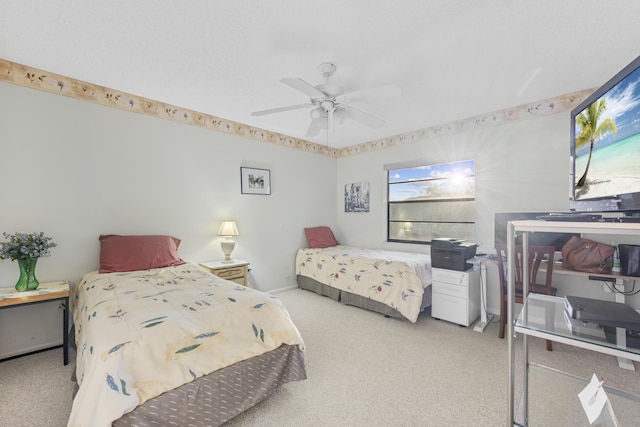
pixel 397 279
pixel 142 333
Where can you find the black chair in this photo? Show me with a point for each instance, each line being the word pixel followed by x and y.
pixel 537 254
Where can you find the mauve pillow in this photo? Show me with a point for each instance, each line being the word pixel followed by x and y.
pixel 320 237
pixel 130 253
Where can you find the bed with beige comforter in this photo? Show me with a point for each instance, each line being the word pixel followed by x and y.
pixel 393 283
pixel 142 335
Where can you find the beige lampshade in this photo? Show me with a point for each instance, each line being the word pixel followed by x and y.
pixel 228 228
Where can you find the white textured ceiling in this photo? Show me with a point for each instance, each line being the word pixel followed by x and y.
pixel 451 59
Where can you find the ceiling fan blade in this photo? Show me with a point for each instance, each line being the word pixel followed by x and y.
pixel 281 109
pixel 315 127
pixel 380 91
pixel 364 118
pixel 302 86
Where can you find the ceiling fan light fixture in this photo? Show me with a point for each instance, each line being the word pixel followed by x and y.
pixel 328 105
pixel 317 113
pixel 339 114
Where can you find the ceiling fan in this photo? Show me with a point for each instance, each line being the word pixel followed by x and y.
pixel 330 104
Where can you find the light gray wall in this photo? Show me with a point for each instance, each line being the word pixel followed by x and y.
pixel 522 166
pixel 519 167
pixel 76 170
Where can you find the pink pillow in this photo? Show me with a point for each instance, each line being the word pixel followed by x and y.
pixel 130 253
pixel 320 237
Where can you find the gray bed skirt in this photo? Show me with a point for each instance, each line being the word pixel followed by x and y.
pixel 348 298
pixel 216 398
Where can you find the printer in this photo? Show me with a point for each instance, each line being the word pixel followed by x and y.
pixel 452 254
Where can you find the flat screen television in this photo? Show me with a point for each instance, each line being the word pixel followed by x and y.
pixel 605 147
pixel 501 219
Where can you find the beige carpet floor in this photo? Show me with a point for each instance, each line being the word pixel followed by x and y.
pixel 366 370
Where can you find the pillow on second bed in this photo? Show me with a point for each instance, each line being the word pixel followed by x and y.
pixel 320 237
pixel 130 253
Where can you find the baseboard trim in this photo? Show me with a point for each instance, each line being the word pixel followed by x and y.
pixel 15 356
pixel 287 288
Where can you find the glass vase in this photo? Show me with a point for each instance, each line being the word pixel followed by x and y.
pixel 27 280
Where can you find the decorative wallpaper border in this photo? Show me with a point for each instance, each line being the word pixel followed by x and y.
pixel 547 107
pixel 23 75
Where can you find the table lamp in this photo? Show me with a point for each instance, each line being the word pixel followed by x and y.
pixel 228 229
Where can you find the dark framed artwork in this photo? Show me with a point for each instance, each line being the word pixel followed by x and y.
pixel 255 181
pixel 356 197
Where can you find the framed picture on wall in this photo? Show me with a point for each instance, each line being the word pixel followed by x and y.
pixel 356 197
pixel 255 181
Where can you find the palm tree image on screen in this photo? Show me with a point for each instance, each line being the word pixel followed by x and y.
pixel 591 130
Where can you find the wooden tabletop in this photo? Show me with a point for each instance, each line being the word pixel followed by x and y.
pixel 45 292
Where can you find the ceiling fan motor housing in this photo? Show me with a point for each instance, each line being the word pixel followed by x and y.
pixel 329 89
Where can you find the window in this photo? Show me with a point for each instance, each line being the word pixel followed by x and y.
pixel 428 202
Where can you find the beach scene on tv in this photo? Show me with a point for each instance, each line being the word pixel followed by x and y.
pixel 607 142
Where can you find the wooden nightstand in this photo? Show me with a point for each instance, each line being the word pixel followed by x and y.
pixel 46 292
pixel 236 271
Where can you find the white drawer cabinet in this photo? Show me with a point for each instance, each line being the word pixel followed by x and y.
pixel 455 295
